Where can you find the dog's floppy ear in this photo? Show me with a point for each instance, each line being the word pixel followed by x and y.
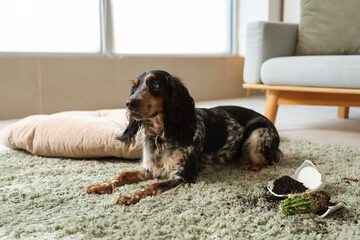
pixel 179 117
pixel 130 131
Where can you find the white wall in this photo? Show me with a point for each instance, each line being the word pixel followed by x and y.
pixel 291 11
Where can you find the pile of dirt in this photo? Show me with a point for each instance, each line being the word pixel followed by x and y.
pixel 288 185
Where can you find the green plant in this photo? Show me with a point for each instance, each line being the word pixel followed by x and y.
pixel 305 203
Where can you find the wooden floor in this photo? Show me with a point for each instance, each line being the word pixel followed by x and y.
pixel 314 123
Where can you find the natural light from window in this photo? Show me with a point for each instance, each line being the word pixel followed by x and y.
pixel 171 26
pixel 50 26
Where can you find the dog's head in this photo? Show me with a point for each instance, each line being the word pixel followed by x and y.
pixel 158 95
pixel 149 95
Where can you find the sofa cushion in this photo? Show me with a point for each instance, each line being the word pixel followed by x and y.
pixel 75 134
pixel 329 27
pixel 317 71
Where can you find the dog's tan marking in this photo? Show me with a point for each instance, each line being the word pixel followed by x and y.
pixel 253 168
pixel 156 104
pixel 149 104
pixel 150 77
pixel 136 82
pixel 155 125
pixel 120 180
pixel 254 147
pixel 162 164
pixel 169 163
pixel 135 197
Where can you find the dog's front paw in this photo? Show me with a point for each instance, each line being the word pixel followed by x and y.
pixel 128 199
pixel 253 168
pixel 103 188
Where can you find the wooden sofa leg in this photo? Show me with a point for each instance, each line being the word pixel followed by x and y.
pixel 343 112
pixel 247 93
pixel 271 104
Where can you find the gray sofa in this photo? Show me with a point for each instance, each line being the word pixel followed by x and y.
pixel 270 47
pixel 271 64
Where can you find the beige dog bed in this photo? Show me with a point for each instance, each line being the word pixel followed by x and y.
pixel 75 134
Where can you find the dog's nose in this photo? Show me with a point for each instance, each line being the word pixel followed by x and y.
pixel 132 103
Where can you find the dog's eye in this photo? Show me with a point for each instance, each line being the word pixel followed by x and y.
pixel 155 85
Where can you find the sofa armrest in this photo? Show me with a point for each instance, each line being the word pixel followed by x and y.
pixel 265 40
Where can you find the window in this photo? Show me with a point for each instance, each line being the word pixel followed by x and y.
pixel 50 26
pixel 171 26
pixel 134 26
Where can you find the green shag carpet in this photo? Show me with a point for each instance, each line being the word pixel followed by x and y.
pixel 43 198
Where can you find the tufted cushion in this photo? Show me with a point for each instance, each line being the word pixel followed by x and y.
pixel 75 134
pixel 329 27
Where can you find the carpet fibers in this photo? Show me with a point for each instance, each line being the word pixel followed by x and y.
pixel 43 198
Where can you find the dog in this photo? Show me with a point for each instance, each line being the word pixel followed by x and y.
pixel 182 141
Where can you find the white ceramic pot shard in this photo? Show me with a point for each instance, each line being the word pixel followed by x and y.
pixel 309 174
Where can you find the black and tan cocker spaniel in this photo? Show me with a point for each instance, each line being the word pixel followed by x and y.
pixel 183 141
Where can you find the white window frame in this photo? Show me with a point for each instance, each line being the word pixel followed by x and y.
pixel 106 39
